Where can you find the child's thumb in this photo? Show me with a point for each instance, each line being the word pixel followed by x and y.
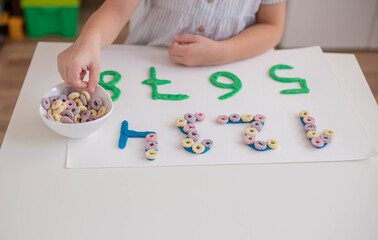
pixel 188 38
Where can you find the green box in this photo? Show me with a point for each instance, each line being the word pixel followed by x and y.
pixel 42 21
pixel 49 3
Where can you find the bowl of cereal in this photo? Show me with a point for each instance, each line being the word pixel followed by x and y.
pixel 75 113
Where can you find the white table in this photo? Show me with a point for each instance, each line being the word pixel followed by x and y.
pixel 41 199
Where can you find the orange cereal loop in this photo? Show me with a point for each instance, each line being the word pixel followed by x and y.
pixel 93 112
pixel 50 111
pixel 78 102
pixel 56 104
pixel 73 95
pixel 57 117
pixel 82 109
pixel 329 133
pixel 102 111
pixel 76 118
pixel 304 113
pixel 86 95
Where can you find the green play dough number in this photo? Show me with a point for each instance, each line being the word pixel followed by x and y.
pixel 302 82
pixel 111 84
pixel 154 82
pixel 236 85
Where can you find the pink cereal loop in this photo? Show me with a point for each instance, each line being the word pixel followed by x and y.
pixel 317 142
pixel 248 139
pixel 152 137
pixel 200 116
pixel 260 118
pixel 309 119
pixel 222 119
pixel 189 127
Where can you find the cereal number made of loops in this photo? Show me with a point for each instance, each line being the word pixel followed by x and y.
pixel 256 124
pixel 187 127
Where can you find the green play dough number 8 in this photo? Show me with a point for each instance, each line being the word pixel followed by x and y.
pixel 302 82
pixel 111 84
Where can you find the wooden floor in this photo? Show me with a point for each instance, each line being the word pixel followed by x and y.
pixel 15 57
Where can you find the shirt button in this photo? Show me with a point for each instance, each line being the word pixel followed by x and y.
pixel 201 29
pixel 210 1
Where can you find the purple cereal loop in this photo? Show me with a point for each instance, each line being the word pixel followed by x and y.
pixel 83 99
pixel 189 127
pixel 86 114
pixel 96 103
pixel 66 119
pixel 194 135
pixel 68 113
pixel 260 145
pixel 85 119
pixel 260 118
pixel 190 117
pixel 248 139
pixel 53 99
pixel 63 98
pixel 317 142
pixel 325 138
pixel 309 119
pixel 309 127
pixel 92 118
pixel 151 145
pixel 45 102
pixel 200 116
pixel 222 119
pixel 258 125
pixel 70 103
pixel 75 110
pixel 208 143
pixel 89 107
pixel 152 137
pixel 234 117
pixel 49 117
pixel 68 90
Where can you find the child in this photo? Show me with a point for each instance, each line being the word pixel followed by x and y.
pixel 197 32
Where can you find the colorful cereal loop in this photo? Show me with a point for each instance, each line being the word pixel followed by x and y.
pixel 247 117
pixel 312 134
pixel 198 148
pixel 222 119
pixel 304 113
pixel 329 133
pixel 187 143
pixel 180 122
pixel 151 154
pixel 273 144
pixel 251 131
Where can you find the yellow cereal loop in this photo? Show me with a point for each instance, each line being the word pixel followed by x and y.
pixel 78 102
pixel 329 133
pixel 73 95
pixel 247 117
pixel 82 109
pixel 304 113
pixel 93 112
pixel 273 144
pixel 187 142
pixel 102 111
pixel 86 95
pixel 76 118
pixel 251 131
pixel 180 122
pixel 50 111
pixel 64 105
pixel 56 104
pixel 198 148
pixel 312 134
pixel 151 154
pixel 57 117
pixel 59 110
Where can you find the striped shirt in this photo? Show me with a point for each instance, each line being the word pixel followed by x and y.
pixel 213 19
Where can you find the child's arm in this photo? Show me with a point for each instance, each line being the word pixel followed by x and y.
pixel 262 36
pixel 99 31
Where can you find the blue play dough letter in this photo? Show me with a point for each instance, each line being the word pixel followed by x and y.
pixel 126 133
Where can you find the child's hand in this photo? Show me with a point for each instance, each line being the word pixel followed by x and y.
pixel 75 61
pixel 195 50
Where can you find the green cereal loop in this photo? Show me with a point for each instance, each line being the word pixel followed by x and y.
pixel 154 82
pixel 302 82
pixel 236 85
pixel 111 84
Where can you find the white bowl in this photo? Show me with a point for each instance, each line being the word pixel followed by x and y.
pixel 79 130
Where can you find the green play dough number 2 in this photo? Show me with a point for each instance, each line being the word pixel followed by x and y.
pixel 111 85
pixel 236 85
pixel 302 82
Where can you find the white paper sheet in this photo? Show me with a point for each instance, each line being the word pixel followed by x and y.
pixel 260 94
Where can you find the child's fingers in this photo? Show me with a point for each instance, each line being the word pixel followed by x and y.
pixel 177 50
pixel 94 75
pixel 187 38
pixel 74 78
